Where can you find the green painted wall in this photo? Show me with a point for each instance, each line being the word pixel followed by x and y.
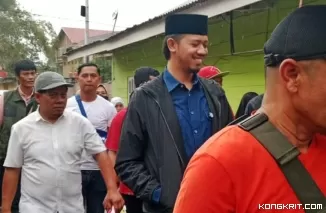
pixel 251 30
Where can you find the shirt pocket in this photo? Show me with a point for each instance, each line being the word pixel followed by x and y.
pixel 72 149
pixel 207 115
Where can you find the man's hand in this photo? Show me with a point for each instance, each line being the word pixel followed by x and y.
pixel 113 199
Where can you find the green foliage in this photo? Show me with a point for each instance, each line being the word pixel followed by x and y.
pixel 105 66
pixel 22 36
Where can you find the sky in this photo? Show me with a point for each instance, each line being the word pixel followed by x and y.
pixel 66 13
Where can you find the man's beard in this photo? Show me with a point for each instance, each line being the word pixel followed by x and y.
pixel 194 71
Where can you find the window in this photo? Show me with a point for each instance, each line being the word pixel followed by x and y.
pixel 131 86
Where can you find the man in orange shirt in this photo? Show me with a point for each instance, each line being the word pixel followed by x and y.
pixel 233 172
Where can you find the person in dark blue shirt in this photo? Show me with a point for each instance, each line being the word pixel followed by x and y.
pixel 254 104
pixel 170 117
pixel 195 118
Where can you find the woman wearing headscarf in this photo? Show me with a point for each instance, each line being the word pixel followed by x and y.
pixel 118 103
pixel 101 91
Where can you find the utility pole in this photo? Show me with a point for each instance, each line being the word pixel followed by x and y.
pixel 115 18
pixel 85 13
pixel 86 22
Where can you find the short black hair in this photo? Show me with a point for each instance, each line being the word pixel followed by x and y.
pixel 79 69
pixel 142 75
pixel 24 65
pixel 166 51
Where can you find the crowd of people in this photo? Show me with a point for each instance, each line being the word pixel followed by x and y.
pixel 177 147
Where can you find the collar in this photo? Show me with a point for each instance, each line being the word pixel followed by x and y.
pixel 23 94
pixel 25 97
pixel 171 83
pixel 38 116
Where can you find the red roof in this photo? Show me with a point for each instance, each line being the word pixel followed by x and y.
pixel 77 35
pixel 3 74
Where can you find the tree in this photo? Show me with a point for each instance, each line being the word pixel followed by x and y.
pixel 22 36
pixel 105 66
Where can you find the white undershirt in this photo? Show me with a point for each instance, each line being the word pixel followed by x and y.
pixel 100 113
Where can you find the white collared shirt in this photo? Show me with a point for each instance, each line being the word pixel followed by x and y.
pixel 50 157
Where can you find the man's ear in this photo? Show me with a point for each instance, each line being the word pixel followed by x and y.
pixel 290 72
pixel 37 97
pixel 172 44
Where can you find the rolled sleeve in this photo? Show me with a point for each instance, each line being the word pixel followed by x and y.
pixel 93 143
pixel 15 154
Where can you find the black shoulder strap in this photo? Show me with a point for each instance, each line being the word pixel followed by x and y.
pixel 239 119
pixel 81 106
pixel 286 156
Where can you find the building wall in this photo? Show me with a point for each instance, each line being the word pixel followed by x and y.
pixel 8 86
pixel 251 30
pixel 65 42
pixel 66 68
pixel 71 67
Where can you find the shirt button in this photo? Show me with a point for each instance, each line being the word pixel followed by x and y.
pixel 195 131
pixel 189 94
pixel 192 112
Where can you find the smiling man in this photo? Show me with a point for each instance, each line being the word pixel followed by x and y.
pixel 276 156
pixel 170 117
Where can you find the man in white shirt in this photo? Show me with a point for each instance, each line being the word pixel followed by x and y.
pixel 47 146
pixel 100 113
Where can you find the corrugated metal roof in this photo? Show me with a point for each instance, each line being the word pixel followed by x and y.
pixel 100 37
pixel 76 35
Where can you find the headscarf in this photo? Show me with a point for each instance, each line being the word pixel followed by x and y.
pixel 107 95
pixel 117 100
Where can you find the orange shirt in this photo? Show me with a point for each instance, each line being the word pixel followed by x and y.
pixel 233 173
